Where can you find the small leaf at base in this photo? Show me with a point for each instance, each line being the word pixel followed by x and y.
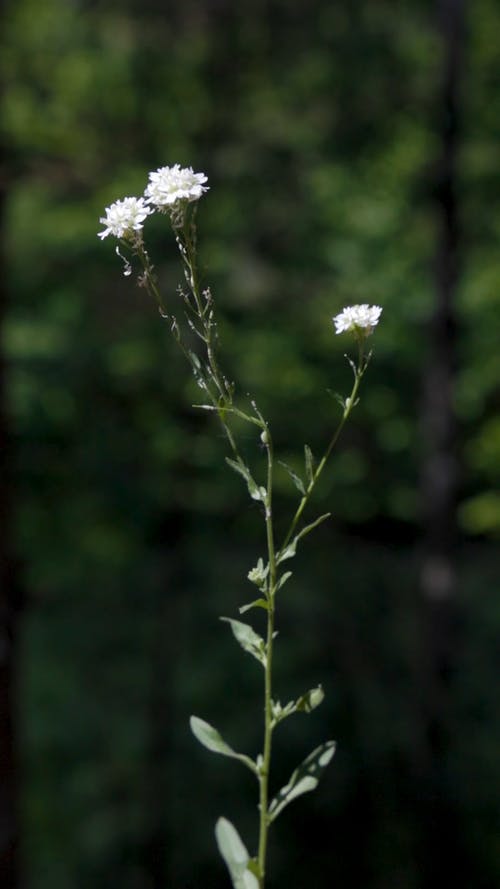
pixel 234 853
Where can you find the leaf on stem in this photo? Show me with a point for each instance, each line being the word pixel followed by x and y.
pixel 256 492
pixel 280 713
pixel 289 551
pixel 309 460
pixel 283 579
pixel 210 738
pixel 249 640
pixel 304 779
pixel 312 699
pixel 299 484
pixel 353 366
pixel 338 398
pixel 366 361
pixel 195 361
pixel 257 603
pixel 234 853
pixel 305 704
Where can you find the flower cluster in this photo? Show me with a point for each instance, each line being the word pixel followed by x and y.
pixel 124 217
pixel 359 319
pixel 168 187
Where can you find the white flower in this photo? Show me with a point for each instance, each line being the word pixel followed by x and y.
pixel 124 217
pixel 171 184
pixel 357 318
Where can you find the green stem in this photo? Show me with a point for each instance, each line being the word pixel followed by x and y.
pixel 206 320
pixel 266 756
pixel 149 277
pixel 220 394
pixel 203 312
pixel 348 406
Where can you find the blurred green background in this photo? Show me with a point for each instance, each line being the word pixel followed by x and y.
pixel 352 150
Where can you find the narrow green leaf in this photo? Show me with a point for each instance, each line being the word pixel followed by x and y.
pixel 289 551
pixel 308 528
pixel 283 579
pixel 304 779
pixel 256 492
pixel 309 460
pixel 243 470
pixel 234 853
pixel 210 738
pixel 249 640
pixel 305 704
pixel 207 735
pixel 353 366
pixel 299 484
pixel 195 360
pixel 257 603
pixel 312 699
pixel 239 467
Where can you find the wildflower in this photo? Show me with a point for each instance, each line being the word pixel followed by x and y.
pixel 168 185
pixel 360 319
pixel 124 217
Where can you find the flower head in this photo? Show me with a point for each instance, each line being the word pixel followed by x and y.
pixel 124 217
pixel 360 319
pixel 168 185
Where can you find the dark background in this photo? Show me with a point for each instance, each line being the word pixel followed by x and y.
pixel 352 150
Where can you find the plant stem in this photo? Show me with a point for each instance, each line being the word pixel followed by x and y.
pixel 149 278
pixel 201 320
pixel 204 313
pixel 266 763
pixel 348 406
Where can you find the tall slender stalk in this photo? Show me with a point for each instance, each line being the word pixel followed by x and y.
pixel 200 325
pixel 268 670
pixel 201 320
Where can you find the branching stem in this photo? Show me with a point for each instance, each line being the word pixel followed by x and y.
pixel 349 404
pixel 201 321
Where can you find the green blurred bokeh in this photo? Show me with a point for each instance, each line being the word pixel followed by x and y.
pixel 316 125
